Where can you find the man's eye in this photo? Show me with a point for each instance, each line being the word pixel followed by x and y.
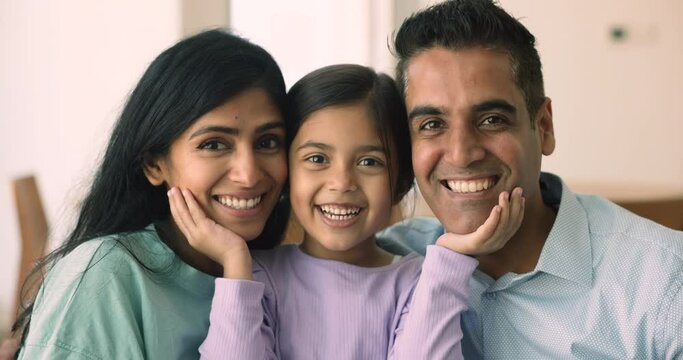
pixel 213 145
pixel 431 125
pixel 493 120
pixel 317 159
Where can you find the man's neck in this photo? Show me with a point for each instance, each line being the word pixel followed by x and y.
pixel 520 255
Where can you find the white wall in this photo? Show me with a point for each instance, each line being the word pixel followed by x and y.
pixel 615 104
pixel 65 70
pixel 303 35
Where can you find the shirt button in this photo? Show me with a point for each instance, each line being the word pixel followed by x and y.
pixel 491 296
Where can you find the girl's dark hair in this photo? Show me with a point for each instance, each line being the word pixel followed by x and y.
pixel 348 84
pixel 183 83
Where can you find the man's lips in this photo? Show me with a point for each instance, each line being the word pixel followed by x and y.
pixel 466 186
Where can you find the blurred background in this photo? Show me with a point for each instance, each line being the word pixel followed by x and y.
pixel 612 67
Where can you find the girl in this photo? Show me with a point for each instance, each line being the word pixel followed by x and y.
pixel 207 115
pixel 338 295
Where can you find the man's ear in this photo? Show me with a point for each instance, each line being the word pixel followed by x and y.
pixel 154 169
pixel 545 128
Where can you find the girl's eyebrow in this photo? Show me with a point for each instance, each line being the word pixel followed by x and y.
pixel 234 131
pixel 323 146
pixel 313 144
pixel 371 148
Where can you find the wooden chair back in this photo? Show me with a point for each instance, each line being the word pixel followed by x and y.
pixel 32 226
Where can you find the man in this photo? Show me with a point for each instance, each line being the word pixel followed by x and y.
pixel 582 277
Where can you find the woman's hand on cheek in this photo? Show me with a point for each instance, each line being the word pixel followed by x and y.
pixel 494 233
pixel 208 237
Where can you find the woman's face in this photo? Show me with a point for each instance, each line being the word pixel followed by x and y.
pixel 232 159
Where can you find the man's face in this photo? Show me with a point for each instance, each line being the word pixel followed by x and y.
pixel 472 136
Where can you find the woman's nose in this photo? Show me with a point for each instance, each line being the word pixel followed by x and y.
pixel 244 168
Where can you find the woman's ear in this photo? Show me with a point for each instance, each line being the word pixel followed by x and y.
pixel 154 169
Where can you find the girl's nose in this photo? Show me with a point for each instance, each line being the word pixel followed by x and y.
pixel 342 180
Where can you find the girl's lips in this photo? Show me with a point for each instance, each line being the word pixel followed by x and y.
pixel 339 216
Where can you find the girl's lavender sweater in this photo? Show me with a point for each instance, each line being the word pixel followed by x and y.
pixel 302 307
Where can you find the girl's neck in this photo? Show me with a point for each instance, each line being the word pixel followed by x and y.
pixel 365 254
pixel 176 241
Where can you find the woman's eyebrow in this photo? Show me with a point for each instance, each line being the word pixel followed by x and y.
pixel 208 129
pixel 234 131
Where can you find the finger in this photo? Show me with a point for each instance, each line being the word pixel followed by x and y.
pixel 179 211
pixel 195 210
pixel 504 203
pixel 517 208
pixel 473 243
pixel 491 225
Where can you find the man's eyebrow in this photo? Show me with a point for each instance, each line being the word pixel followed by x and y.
pixel 422 110
pixel 494 104
pixel 233 131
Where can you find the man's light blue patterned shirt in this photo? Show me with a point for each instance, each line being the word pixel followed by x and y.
pixel 608 285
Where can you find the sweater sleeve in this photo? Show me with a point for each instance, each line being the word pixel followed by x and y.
pixel 429 327
pixel 240 327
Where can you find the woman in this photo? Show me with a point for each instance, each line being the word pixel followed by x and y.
pixel 206 115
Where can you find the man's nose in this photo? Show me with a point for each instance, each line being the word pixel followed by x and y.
pixel 463 146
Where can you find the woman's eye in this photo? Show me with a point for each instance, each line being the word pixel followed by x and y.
pixel 213 145
pixel 317 159
pixel 269 143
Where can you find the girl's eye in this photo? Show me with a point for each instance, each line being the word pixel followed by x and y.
pixel 370 162
pixel 317 159
pixel 269 143
pixel 213 145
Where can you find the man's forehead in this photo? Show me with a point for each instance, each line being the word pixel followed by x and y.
pixel 436 76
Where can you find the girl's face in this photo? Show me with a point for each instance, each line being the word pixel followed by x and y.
pixel 232 159
pixel 339 181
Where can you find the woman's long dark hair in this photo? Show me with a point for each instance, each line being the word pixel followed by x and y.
pixel 183 83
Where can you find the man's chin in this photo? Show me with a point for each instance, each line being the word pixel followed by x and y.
pixel 463 224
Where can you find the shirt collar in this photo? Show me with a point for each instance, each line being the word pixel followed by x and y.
pixel 567 252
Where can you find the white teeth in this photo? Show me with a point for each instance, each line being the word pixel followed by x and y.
pixel 470 186
pixel 339 213
pixel 239 204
